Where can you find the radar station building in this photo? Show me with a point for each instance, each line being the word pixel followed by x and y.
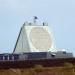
pixel 34 38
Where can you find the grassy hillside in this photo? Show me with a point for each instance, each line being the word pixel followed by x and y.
pixel 67 69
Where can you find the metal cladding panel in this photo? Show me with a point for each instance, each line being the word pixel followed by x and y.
pixel 64 55
pixel 9 56
pixel 5 57
pixel 37 55
pixel 59 55
pixel 16 57
pixel 1 56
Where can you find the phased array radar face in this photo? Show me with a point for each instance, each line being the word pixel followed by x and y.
pixel 40 39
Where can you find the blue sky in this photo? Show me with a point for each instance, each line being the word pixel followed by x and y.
pixel 60 15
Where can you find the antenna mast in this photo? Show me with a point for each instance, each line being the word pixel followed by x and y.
pixel 34 19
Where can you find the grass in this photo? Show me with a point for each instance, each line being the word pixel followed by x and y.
pixel 67 69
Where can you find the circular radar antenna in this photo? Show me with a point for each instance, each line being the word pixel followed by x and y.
pixel 41 39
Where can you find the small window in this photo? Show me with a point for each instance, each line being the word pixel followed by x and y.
pixel 64 52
